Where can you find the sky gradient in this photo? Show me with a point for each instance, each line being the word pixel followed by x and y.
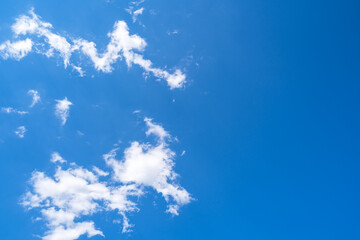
pixel 264 126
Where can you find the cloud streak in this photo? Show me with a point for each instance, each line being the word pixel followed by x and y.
pixel 10 110
pixel 122 45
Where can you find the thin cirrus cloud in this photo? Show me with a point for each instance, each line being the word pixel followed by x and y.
pixel 133 11
pixel 62 109
pixel 9 110
pixel 20 131
pixel 121 45
pixel 74 193
pixel 35 97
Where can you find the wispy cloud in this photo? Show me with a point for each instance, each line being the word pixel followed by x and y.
pixel 100 172
pixel 174 32
pixel 137 3
pixel 75 192
pixel 122 45
pixel 35 97
pixel 55 157
pixel 156 129
pixel 62 109
pixel 10 110
pixel 20 131
pixel 136 111
pixel 80 133
pixel 16 50
pixel 79 70
pixel 135 13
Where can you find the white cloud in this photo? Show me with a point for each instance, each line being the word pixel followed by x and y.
pixel 120 40
pixel 73 231
pixel 62 110
pixel 9 110
pixel 122 45
pixel 139 11
pixel 35 97
pixel 20 131
pixel 100 172
pixel 79 70
pixel 152 166
pixel 136 111
pixel 174 32
pixel 156 129
pixel 74 193
pixel 32 24
pixel 16 50
pixel 55 157
pixel 135 13
pixel 80 133
pixel 137 3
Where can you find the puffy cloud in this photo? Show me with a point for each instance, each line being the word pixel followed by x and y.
pixel 121 45
pixel 55 157
pixel 16 50
pixel 69 198
pixel 152 166
pixel 72 194
pixel 35 97
pixel 20 131
pixel 62 109
pixel 32 24
pixel 74 231
pixel 120 40
pixel 9 110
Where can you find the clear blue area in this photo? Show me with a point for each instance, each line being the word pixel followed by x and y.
pixel 269 118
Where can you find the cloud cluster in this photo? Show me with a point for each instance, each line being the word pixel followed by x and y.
pixel 35 99
pixel 122 45
pixel 135 12
pixel 69 198
pixel 62 107
pixel 20 131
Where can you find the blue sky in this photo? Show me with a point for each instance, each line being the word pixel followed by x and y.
pixel 262 117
